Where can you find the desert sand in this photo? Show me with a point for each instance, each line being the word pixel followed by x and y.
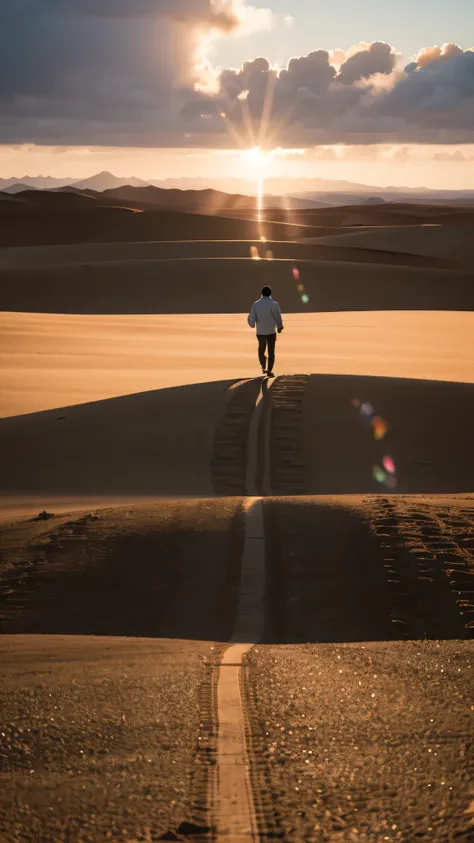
pixel 133 410
pixel 450 243
pixel 228 284
pixel 107 720
pixel 103 405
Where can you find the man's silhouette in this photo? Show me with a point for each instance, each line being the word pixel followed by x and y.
pixel 265 315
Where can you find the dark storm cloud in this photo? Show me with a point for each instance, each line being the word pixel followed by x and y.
pixel 92 70
pixel 123 72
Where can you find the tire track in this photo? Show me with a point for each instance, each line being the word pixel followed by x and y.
pixel 258 445
pixel 429 562
pixel 231 440
pixel 288 462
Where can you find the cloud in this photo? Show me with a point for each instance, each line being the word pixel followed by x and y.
pixel 107 71
pixel 428 55
pixel 451 156
pixel 337 57
pixel 250 19
pixel 136 73
pixel 369 100
pixel 221 13
pixel 376 58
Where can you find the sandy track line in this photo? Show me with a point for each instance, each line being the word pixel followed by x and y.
pixel 233 804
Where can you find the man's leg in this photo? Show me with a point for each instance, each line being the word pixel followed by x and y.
pixel 271 339
pixel 262 345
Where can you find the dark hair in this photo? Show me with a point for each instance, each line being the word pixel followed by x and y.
pixel 267 291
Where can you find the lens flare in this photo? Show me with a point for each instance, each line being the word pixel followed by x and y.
pixel 254 253
pixel 379 426
pixel 300 288
pixel 305 298
pixel 367 409
pixel 356 402
pixel 296 273
pixel 269 255
pixel 389 465
pixel 379 474
pixel 391 482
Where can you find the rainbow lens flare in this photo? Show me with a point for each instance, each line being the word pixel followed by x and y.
pixel 379 426
pixel 389 465
pixel 379 474
pixel 296 273
pixel 305 298
pixel 254 253
pixel 367 409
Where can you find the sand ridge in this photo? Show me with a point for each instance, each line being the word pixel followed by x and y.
pixel 441 242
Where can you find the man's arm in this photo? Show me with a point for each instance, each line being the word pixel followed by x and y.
pixel 252 317
pixel 277 316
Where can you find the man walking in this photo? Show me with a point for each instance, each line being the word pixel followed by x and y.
pixel 265 315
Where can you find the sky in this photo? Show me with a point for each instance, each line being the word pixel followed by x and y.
pixel 360 91
pixel 407 24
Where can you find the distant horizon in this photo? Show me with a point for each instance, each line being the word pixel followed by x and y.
pixel 218 183
pixel 400 166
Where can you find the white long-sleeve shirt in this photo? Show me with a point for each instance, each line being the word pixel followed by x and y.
pixel 265 315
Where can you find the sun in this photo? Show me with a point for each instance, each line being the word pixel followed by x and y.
pixel 255 156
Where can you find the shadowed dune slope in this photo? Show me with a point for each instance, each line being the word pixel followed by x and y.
pixel 47 218
pixel 428 435
pixel 96 253
pixel 390 214
pixel 183 441
pixel 440 242
pixel 223 285
pixel 152 443
pixel 27 225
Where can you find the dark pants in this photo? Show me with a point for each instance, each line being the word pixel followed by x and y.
pixel 264 342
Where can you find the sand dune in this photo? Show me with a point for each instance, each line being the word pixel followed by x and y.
pixel 162 441
pixel 57 217
pixel 26 224
pixel 55 361
pixel 445 243
pixel 157 442
pixel 96 253
pixel 216 285
pixel 428 434
pixel 390 214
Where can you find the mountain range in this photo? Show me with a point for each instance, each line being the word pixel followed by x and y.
pixel 310 192
pixel 99 182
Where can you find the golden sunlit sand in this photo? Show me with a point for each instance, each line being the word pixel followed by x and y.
pixel 60 360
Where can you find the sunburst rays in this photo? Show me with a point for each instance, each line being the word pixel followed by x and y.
pixel 256 138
